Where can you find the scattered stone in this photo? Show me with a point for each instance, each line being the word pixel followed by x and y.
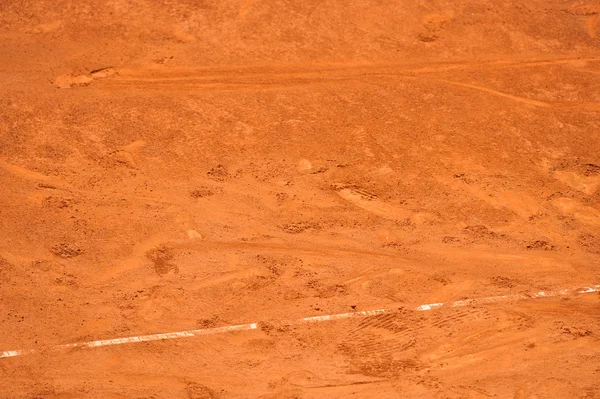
pixel 450 239
pixel 218 173
pixel 541 244
pixel 201 192
pixel 66 251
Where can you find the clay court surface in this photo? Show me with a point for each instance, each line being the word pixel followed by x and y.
pixel 181 165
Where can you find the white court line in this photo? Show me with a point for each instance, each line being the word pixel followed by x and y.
pixel 313 319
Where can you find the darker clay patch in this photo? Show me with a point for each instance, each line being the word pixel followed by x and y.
pixel 162 258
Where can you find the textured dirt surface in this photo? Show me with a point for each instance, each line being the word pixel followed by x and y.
pixel 173 165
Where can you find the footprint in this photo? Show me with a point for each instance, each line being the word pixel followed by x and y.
pixel 583 213
pixel 389 343
pixel 592 12
pixel 383 335
pixel 182 36
pixel 584 177
pixel 245 7
pixel 433 25
pixel 47 27
pixel 304 165
pixel 125 155
pixel 69 81
pixel 27 174
pixel 363 138
pixel 193 234
pixel 491 191
pixel 371 203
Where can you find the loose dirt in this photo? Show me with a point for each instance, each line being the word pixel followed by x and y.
pixel 179 165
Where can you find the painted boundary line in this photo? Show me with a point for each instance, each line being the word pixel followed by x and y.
pixel 313 319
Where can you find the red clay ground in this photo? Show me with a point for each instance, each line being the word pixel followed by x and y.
pixel 172 165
